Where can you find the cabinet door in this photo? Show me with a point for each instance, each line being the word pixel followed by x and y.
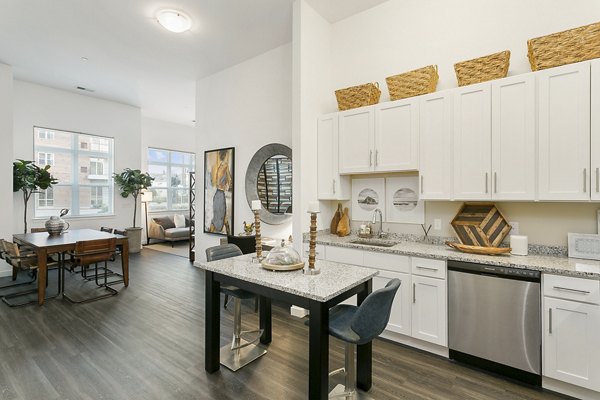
pixel 595 172
pixel 435 146
pixel 330 185
pixel 564 132
pixel 396 136
pixel 400 316
pixel 429 310
pixel 356 140
pixel 571 351
pixel 472 142
pixel 513 138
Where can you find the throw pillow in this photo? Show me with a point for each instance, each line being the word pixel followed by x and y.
pixel 165 222
pixel 187 221
pixel 179 221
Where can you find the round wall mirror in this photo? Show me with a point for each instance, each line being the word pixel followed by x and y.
pixel 269 179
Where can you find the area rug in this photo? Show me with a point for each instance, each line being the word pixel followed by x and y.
pixel 180 249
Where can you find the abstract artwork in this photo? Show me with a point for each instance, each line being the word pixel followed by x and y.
pixel 219 167
pixel 367 195
pixel 402 200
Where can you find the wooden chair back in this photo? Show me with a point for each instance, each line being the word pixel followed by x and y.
pixel 119 232
pixel 94 251
pixel 106 229
pixel 37 230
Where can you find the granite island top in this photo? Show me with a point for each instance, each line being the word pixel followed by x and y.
pixel 334 279
pixel 559 265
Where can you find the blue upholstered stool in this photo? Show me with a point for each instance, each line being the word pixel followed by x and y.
pixel 242 351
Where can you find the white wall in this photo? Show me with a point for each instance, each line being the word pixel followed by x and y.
pixel 36 105
pixel 246 106
pixel 6 155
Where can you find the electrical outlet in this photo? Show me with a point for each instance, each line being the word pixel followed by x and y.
pixel 437 224
pixel 515 228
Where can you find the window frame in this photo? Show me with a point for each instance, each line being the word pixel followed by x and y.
pixel 171 190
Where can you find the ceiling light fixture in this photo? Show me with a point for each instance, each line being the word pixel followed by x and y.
pixel 174 21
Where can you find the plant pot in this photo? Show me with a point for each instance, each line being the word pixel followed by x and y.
pixel 135 239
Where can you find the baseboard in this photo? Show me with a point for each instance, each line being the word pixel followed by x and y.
pixel 416 343
pixel 568 389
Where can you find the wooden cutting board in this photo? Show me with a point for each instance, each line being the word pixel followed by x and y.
pixel 491 251
pixel 336 219
pixel 343 228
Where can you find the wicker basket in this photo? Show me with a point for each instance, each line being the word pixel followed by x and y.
pixel 358 96
pixel 482 69
pixel 413 83
pixel 574 45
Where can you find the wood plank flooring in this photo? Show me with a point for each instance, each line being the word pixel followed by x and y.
pixel 147 343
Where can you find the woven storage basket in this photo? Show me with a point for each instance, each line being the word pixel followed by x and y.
pixel 574 45
pixel 358 96
pixel 482 69
pixel 413 83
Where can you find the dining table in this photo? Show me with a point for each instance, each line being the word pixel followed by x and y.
pixel 44 244
pixel 335 283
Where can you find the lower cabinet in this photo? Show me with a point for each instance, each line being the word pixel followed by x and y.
pixel 429 310
pixel 400 317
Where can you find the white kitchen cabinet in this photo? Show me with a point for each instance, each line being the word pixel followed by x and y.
pixel 436 128
pixel 595 129
pixel 472 142
pixel 396 136
pixel 429 315
pixel 356 140
pixel 564 132
pixel 571 351
pixel 330 185
pixel 400 315
pixel 513 138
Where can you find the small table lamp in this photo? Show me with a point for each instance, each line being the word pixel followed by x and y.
pixel 146 197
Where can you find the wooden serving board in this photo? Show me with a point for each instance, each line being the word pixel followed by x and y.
pixel 491 251
pixel 274 267
pixel 480 224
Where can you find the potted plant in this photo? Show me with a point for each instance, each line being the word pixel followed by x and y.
pixel 29 179
pixel 132 182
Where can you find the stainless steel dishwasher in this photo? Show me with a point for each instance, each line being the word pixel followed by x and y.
pixel 494 319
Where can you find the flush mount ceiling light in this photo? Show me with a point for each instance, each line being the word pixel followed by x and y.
pixel 174 21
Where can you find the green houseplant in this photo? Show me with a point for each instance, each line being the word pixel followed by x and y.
pixel 131 182
pixel 29 179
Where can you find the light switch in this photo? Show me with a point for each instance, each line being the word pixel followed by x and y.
pixel 437 224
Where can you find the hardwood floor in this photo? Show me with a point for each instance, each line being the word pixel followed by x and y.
pixel 147 343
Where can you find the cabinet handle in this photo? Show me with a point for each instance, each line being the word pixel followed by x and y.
pixel 376 157
pixel 550 321
pixel 486 182
pixel 414 292
pixel 495 183
pixel 571 290
pixel 585 180
pixel 370 158
pixel 597 180
pixel 333 180
pixel 427 268
pixel 421 184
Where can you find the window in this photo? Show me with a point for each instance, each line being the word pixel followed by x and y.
pixel 171 172
pixel 84 173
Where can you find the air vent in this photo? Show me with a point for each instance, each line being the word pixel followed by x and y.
pixel 85 89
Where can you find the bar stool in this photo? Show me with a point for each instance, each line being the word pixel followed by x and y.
pixel 241 351
pixel 359 325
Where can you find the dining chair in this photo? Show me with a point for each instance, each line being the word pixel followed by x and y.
pixel 90 252
pixel 25 261
pixel 106 229
pixel 241 351
pixel 357 325
pixel 38 230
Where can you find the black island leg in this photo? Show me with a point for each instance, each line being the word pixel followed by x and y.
pixel 213 321
pixel 318 353
pixel 265 319
pixel 364 352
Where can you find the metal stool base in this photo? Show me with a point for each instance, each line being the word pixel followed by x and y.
pixel 339 392
pixel 236 359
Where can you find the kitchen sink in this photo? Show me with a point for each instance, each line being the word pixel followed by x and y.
pixel 375 242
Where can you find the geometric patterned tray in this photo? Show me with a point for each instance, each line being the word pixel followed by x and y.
pixel 480 224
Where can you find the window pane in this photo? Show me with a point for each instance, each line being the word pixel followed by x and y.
pixel 61 167
pixel 159 173
pixel 159 200
pixel 158 155
pixel 53 139
pixel 59 198
pixel 94 200
pixel 96 144
pixel 171 171
pixel 179 199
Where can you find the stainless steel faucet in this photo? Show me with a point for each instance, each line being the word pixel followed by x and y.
pixel 380 233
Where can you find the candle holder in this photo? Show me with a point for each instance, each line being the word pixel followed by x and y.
pixel 257 238
pixel 312 245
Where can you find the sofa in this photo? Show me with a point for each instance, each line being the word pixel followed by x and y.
pixel 163 228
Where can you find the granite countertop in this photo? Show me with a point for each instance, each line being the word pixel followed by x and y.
pixel 546 263
pixel 334 279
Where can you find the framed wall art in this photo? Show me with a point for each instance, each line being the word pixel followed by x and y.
pixel 219 189
pixel 368 194
pixel 402 204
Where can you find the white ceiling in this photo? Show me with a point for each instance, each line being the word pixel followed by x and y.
pixel 131 58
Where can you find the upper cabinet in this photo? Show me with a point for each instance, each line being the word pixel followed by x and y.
pixel 564 132
pixel 381 138
pixel 435 146
pixel 595 129
pixel 472 142
pixel 330 185
pixel 513 138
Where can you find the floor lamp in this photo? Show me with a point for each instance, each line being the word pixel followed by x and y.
pixel 146 198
